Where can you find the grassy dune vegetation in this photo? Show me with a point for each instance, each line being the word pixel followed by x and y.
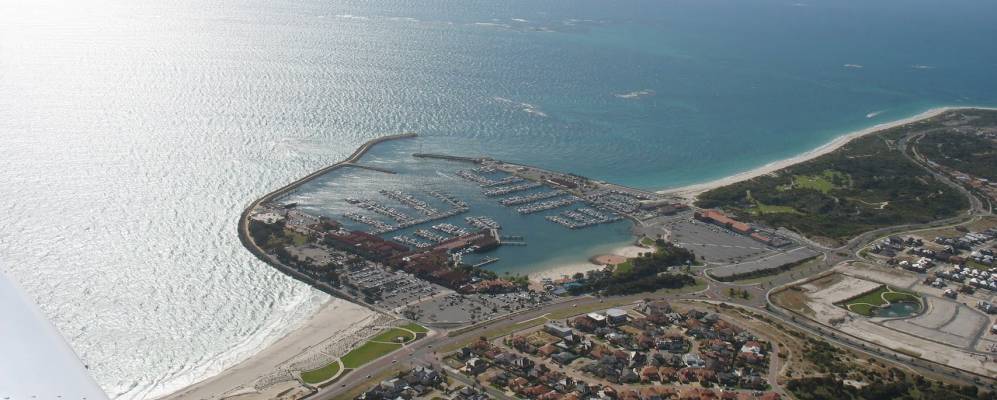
pixel 864 185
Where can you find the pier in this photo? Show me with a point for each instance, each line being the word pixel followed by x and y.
pixel 486 261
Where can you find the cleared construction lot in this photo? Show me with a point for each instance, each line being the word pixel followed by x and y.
pixel 945 332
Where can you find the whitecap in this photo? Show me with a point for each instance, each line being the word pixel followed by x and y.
pixel 351 16
pixel 854 66
pixel 635 94
pixel 492 24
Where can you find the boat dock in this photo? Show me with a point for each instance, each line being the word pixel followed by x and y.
pixel 547 205
pixel 410 201
pixel 483 222
pixel 448 198
pixel 501 190
pixel 486 261
pixel 517 200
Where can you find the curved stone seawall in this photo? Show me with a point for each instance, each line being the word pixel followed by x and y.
pixel 248 242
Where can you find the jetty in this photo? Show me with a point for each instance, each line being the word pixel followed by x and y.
pixel 475 160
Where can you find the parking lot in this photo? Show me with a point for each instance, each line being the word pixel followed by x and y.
pixel 772 261
pixel 716 245
pixel 398 289
pixel 455 307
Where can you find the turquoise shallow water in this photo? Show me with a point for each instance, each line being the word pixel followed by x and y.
pixel 134 132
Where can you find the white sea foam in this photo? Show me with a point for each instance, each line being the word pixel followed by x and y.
pixel 524 107
pixel 920 66
pixel 351 16
pixel 857 66
pixel 493 25
pixel 635 94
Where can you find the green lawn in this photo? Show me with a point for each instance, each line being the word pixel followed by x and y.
pixel 392 334
pixel 321 374
pixel 901 296
pixel 623 267
pixel 414 327
pixel 861 309
pixel 865 303
pixel 874 297
pixel 367 353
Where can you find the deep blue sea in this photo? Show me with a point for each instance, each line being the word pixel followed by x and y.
pixel 134 132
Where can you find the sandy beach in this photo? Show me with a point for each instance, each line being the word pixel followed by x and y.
pixel 263 375
pixel 690 192
pixel 563 270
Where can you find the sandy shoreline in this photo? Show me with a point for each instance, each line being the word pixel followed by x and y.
pixel 563 270
pixel 333 318
pixel 691 191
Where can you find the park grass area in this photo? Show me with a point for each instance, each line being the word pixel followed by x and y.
pixel 370 351
pixel 623 268
pixel 894 297
pixel 414 327
pixel 866 303
pixel 825 182
pixel 321 374
pixel 392 335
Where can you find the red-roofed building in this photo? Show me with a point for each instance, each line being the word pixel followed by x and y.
pixel 721 219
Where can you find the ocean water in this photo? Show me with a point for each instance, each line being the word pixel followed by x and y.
pixel 133 132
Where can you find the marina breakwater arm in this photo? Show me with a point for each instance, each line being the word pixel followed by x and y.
pixel 475 160
pixel 251 245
